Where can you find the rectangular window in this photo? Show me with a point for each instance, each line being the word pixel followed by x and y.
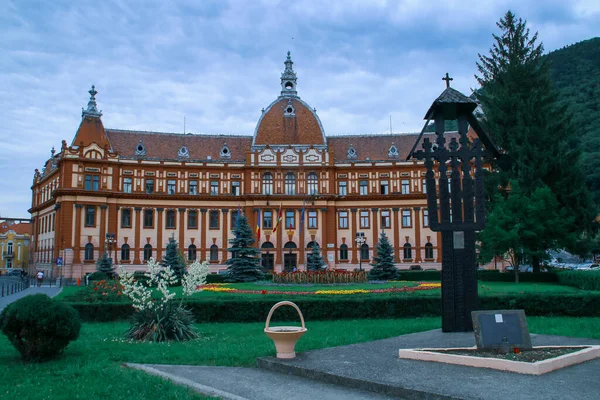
pixel 425 218
pixel 194 187
pixel 343 188
pixel 406 219
pixel 405 186
pixel 148 218
pixel 213 220
pixel 170 219
pixel 267 220
pixel 364 188
pixel 149 186
pixel 312 220
pixel 425 186
pixel 234 217
pixel 90 216
pixel 385 187
pixel 385 219
pixel 364 219
pixel 171 186
pixel 214 188
pixel 290 220
pixel 192 219
pixel 343 219
pixel 127 185
pixel 235 188
pixel 92 182
pixel 126 218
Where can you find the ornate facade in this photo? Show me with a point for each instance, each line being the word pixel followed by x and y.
pixel 128 192
pixel 14 245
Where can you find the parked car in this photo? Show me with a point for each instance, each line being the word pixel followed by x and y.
pixel 15 272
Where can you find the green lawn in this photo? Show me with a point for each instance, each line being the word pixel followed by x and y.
pixel 485 289
pixel 91 366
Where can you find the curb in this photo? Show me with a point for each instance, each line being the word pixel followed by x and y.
pixel 206 390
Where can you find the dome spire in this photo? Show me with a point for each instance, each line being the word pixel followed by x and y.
pixel 288 79
pixel 92 109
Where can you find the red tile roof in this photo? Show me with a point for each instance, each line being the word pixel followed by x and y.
pixel 20 229
pixel 91 130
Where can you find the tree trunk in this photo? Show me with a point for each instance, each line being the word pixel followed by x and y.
pixel 516 274
pixel 535 263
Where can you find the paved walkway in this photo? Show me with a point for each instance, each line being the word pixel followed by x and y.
pixel 50 291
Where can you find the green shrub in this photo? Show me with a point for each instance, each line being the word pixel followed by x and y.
pixel 420 275
pixel 497 276
pixel 99 291
pixel 169 322
pixel 39 327
pixel 98 276
pixel 586 280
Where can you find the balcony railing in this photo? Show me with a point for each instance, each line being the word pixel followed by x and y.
pixel 8 254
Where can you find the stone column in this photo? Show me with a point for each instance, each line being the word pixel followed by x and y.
pixel 331 232
pixel 418 233
pixel 301 234
pixel 102 229
pixel 113 227
pixel 77 239
pixel 59 244
pixel 225 231
pixel 375 230
pixel 138 233
pixel 159 232
pixel 181 227
pixel 396 235
pixel 439 247
pixel 354 229
pixel 203 234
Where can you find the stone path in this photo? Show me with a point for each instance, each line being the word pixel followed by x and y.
pixel 50 291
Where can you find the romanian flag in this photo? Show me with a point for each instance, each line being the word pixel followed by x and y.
pixel 278 219
pixel 258 227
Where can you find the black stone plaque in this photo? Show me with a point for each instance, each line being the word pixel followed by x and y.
pixel 501 329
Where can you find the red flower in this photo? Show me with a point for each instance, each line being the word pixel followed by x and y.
pixel 264 291
pixel 516 350
pixel 95 289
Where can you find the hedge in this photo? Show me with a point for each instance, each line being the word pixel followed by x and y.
pixel 497 276
pixel 586 280
pixel 354 307
pixel 420 275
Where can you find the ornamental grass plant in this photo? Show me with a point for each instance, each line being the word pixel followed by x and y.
pixel 162 318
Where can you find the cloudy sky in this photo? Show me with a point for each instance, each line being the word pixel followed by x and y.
pixel 217 63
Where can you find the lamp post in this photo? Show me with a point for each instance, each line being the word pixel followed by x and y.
pixel 111 239
pixel 360 240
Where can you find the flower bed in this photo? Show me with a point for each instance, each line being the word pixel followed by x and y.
pixel 421 286
pixel 320 277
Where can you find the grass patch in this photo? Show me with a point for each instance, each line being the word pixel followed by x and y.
pixel 90 367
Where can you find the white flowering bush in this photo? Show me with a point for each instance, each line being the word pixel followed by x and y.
pixel 158 316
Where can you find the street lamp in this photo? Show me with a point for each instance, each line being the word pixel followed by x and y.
pixel 111 239
pixel 360 240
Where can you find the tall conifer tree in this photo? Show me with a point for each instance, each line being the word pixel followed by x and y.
pixel 173 259
pixel 383 267
pixel 244 264
pixel 315 259
pixel 522 114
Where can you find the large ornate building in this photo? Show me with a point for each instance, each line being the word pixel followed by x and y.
pixel 128 192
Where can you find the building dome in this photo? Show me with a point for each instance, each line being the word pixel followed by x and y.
pixel 289 120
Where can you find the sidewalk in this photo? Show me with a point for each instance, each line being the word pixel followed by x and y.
pixel 50 291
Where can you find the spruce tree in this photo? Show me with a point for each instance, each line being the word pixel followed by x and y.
pixel 173 259
pixel 244 264
pixel 105 264
pixel 523 116
pixel 383 267
pixel 315 259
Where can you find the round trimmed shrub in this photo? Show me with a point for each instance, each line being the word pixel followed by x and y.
pixel 98 276
pixel 39 327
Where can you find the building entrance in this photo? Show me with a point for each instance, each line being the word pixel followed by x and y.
pixel 289 262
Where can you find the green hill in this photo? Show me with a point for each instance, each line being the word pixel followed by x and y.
pixel 576 74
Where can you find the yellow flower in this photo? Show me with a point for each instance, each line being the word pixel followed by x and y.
pixel 351 291
pixel 218 289
pixel 430 285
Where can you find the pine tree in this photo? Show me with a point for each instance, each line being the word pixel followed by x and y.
pixel 173 259
pixel 523 116
pixel 105 264
pixel 383 267
pixel 244 264
pixel 315 259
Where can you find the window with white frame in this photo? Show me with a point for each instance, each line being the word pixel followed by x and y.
pixel 385 187
pixel 343 188
pixel 364 188
pixel 267 183
pixel 405 186
pixel 194 187
pixel 290 183
pixel 406 219
pixel 313 183
pixel 385 219
pixel 127 185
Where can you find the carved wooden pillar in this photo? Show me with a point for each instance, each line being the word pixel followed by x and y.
pixel 354 228
pixel 418 233
pixel 225 232
pixel 138 233
pixel 396 235
pixel 203 234
pixel 159 233
pixel 77 238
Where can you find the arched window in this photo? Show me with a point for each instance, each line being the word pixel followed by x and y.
pixel 407 251
pixel 429 251
pixel 125 252
pixel 89 252
pixel 290 183
pixel 147 252
pixel 344 252
pixel 267 245
pixel 313 183
pixel 290 245
pixel 364 252
pixel 267 183
pixel 192 252
pixel 214 253
pixel 312 244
